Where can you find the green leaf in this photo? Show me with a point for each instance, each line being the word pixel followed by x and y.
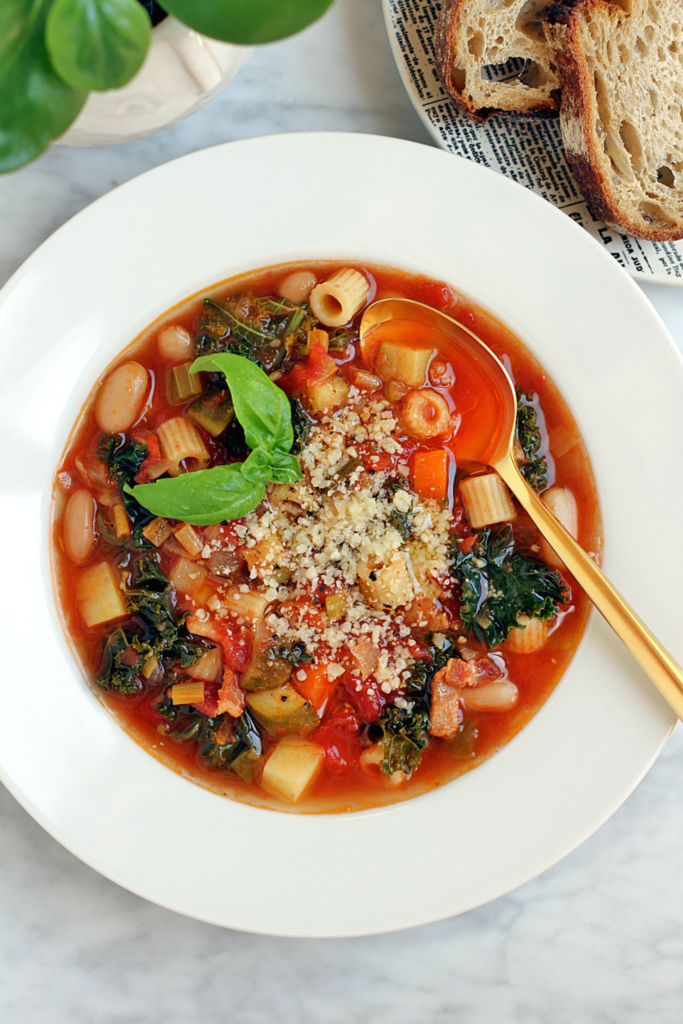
pixel 97 44
pixel 203 497
pixel 284 468
pixel 261 407
pixel 498 584
pixel 247 21
pixel 36 105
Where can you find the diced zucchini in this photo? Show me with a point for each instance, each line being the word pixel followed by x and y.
pixel 282 710
pixel 246 765
pixel 213 413
pixel 400 362
pixel 266 671
pixel 292 768
pixel 181 384
pixel 326 397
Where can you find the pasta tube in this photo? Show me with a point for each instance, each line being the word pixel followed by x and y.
pixel 180 440
pixel 486 500
pixel 337 300
pixel 530 637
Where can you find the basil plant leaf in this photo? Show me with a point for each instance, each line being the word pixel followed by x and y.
pixel 261 407
pixel 284 468
pixel 247 21
pixel 203 497
pixel 265 464
pixel 97 44
pixel 257 466
pixel 36 105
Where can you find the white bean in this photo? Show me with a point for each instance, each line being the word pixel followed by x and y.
pixel 562 504
pixel 297 286
pixel 174 343
pixel 79 526
pixel 498 696
pixel 121 396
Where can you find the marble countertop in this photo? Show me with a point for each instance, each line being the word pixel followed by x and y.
pixel 598 939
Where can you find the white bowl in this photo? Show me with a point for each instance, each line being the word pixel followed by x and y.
pixel 183 70
pixel 119 264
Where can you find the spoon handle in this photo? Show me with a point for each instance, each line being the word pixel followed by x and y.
pixel 655 661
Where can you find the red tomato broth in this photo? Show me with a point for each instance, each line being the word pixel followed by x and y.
pixel 535 674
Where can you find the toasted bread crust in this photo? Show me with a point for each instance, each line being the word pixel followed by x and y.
pixel 583 133
pixel 449 41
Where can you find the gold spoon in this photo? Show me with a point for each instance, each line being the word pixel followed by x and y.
pixel 497 452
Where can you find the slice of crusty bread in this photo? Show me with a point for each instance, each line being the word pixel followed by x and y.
pixel 621 71
pixel 476 37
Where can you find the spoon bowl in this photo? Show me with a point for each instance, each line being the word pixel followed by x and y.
pixel 493 446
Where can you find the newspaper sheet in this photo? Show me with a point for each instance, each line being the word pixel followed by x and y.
pixel 528 150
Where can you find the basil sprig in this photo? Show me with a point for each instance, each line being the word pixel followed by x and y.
pixel 53 51
pixel 230 492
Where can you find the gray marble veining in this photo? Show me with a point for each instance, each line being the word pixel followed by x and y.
pixel 598 939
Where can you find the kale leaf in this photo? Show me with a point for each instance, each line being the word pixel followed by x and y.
pixel 248 326
pixel 301 425
pixel 535 467
pixel 401 521
pixel 123 462
pixel 405 733
pixel 231 746
pixel 156 631
pixel 498 584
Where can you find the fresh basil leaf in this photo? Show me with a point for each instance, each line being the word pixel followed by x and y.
pixel 97 44
pixel 284 468
pixel 261 407
pixel 203 497
pixel 257 466
pixel 36 106
pixel 266 464
pixel 247 21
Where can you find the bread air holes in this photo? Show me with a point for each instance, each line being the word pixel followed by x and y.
pixel 631 140
pixel 526 72
pixel 665 176
pixel 475 44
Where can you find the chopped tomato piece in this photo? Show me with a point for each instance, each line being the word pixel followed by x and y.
pixel 149 438
pixel 209 706
pixel 236 642
pixel 459 673
pixel 367 700
pixel 430 474
pixel 317 686
pixel 340 740
pixel 467 543
pixel 319 367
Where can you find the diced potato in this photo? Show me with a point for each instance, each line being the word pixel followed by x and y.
pixel 250 606
pixel 328 396
pixel 486 500
pixel 283 710
pixel 99 597
pixel 292 769
pixel 400 362
pixel 390 586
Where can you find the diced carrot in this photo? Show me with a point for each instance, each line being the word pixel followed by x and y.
pixel 430 474
pixel 317 686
